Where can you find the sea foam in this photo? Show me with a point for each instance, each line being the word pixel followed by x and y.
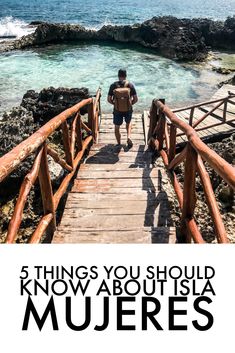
pixel 13 27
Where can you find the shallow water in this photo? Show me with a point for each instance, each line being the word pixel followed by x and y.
pixel 93 65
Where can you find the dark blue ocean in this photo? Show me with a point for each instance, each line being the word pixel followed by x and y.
pixel 93 65
pixel 97 12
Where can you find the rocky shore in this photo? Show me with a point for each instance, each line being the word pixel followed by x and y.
pixel 17 125
pixel 180 39
pixel 224 195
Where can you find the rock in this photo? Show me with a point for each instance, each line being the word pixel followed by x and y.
pixel 56 171
pixel 36 23
pixel 52 101
pixel 226 195
pixel 21 122
pixel 231 81
pixel 223 193
pixel 181 39
pixel 15 126
pixel 222 70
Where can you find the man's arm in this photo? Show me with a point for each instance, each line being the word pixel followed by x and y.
pixel 134 99
pixel 110 95
pixel 110 100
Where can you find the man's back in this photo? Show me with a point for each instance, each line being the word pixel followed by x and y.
pixel 122 95
pixel 122 84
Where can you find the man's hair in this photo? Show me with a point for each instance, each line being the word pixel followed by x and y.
pixel 122 73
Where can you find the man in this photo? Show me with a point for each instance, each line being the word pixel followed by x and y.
pixel 123 96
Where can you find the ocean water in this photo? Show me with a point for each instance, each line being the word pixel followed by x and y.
pixel 92 65
pixel 97 12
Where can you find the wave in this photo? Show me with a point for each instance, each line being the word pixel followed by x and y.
pixel 14 28
pixel 106 22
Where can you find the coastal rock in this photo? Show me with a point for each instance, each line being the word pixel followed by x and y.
pixel 222 70
pixel 21 122
pixel 52 101
pixel 231 81
pixel 181 39
pixel 224 195
pixel 16 125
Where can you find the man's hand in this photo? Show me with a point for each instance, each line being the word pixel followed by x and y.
pixel 134 100
pixel 110 100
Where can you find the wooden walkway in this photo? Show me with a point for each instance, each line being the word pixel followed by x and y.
pixel 215 118
pixel 117 196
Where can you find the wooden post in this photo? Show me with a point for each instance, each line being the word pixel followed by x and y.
pixel 79 133
pixel 161 131
pixel 225 110
pixel 167 137
pixel 153 115
pixel 189 193
pixel 73 136
pixel 173 132
pixel 211 202
pixel 94 123
pixel 25 188
pixel 66 142
pixel 191 117
pixel 90 114
pixel 47 194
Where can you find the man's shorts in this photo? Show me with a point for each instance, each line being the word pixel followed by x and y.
pixel 119 116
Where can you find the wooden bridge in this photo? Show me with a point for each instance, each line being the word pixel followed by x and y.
pixel 117 194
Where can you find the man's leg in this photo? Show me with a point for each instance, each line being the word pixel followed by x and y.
pixel 117 133
pixel 117 120
pixel 128 128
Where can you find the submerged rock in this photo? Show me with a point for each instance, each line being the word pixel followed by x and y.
pixel 182 39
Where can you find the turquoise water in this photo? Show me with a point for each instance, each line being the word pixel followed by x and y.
pixel 93 65
pixel 96 65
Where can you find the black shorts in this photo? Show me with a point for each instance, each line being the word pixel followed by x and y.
pixel 119 116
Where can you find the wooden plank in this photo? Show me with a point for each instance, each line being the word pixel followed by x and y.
pixel 117 166
pixel 159 235
pixel 134 131
pixel 114 191
pixel 120 153
pixel 123 141
pixel 116 205
pixel 73 211
pixel 113 147
pixel 116 159
pixel 121 222
pixel 118 174
pixel 110 136
pixel 116 183
pixel 102 197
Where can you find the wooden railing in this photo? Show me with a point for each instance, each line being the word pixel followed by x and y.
pixel 164 125
pixel 72 126
pixel 216 104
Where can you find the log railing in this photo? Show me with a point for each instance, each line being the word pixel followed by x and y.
pixel 73 127
pixel 214 105
pixel 164 125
